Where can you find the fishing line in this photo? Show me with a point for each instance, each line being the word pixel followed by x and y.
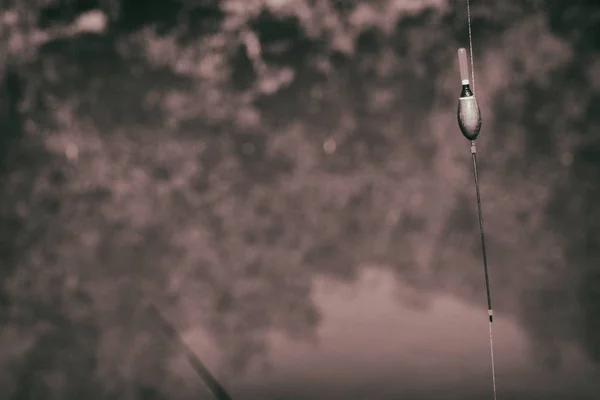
pixel 471 45
pixel 469 121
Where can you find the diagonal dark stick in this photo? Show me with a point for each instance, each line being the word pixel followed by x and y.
pixel 469 121
pixel 209 380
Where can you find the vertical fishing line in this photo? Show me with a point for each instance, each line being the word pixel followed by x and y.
pixel 471 46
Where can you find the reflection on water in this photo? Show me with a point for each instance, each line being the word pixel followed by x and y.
pixel 376 341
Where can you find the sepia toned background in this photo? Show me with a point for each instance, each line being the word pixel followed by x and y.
pixel 285 180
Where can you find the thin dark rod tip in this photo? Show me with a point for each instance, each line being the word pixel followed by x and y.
pixel 481 231
pixel 208 379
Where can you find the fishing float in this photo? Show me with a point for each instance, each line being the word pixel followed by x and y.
pixel 469 122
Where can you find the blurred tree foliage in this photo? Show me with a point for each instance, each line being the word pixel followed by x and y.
pixel 213 156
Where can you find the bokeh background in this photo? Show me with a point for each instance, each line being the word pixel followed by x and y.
pixel 285 180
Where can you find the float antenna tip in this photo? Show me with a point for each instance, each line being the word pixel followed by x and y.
pixel 464 66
